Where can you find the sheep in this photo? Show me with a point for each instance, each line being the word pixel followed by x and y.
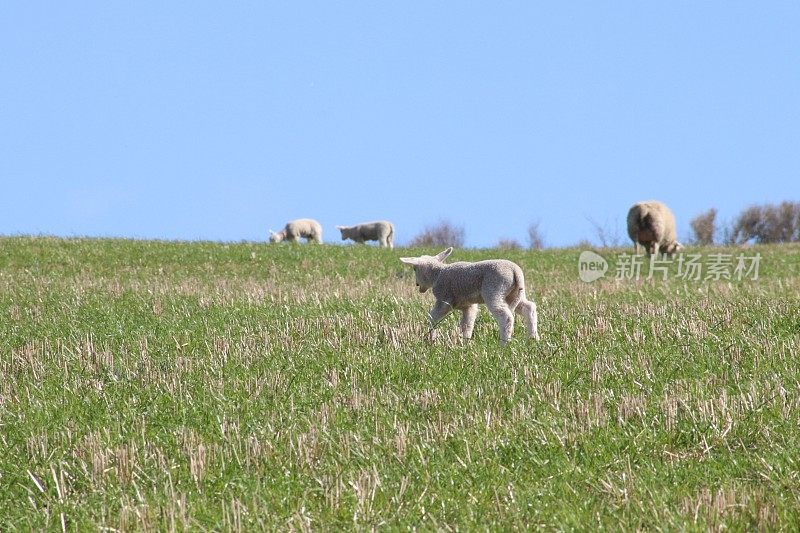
pixel 498 283
pixel 652 225
pixel 381 231
pixel 302 227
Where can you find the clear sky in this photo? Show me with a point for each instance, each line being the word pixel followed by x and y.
pixel 221 120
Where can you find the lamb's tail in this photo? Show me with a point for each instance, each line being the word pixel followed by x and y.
pixel 517 293
pixel 390 237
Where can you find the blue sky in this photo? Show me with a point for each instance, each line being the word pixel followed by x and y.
pixel 200 120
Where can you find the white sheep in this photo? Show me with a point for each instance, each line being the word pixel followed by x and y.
pixel 381 231
pixel 498 283
pixel 307 228
pixel 652 225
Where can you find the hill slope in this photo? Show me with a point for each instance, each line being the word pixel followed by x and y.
pixel 158 384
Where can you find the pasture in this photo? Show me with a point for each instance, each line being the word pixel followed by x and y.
pixel 166 386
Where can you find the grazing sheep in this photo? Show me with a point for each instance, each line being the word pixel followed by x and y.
pixel 498 283
pixel 381 231
pixel 302 227
pixel 652 225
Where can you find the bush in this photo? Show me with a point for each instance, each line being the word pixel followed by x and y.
pixel 703 226
pixel 767 223
pixel 508 244
pixel 535 238
pixel 443 233
pixel 607 234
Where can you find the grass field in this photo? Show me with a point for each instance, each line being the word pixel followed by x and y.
pixel 158 386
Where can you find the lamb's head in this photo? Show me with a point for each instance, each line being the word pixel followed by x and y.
pixel 426 267
pixel 345 232
pixel 276 236
pixel 672 248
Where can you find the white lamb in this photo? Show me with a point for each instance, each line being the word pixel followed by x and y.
pixel 381 231
pixel 498 283
pixel 302 227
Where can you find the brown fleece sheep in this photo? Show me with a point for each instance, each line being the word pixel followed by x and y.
pixel 652 225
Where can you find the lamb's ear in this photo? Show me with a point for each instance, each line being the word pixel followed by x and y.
pixel 410 260
pixel 441 256
pixel 271 232
pixel 340 227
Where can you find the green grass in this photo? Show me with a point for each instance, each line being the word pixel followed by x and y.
pixel 161 385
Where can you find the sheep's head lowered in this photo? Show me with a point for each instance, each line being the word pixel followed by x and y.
pixel 276 236
pixel 346 231
pixel 425 267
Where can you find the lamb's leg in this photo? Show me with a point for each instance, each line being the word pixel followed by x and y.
pixel 440 310
pixel 527 309
pixel 468 316
pixel 504 316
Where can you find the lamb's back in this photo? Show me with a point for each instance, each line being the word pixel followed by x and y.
pixel 304 226
pixel 374 230
pixel 465 282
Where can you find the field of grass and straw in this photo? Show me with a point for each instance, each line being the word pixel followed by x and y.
pixel 167 386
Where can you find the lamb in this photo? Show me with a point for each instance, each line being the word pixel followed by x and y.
pixel 381 231
pixel 302 227
pixel 652 225
pixel 498 283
